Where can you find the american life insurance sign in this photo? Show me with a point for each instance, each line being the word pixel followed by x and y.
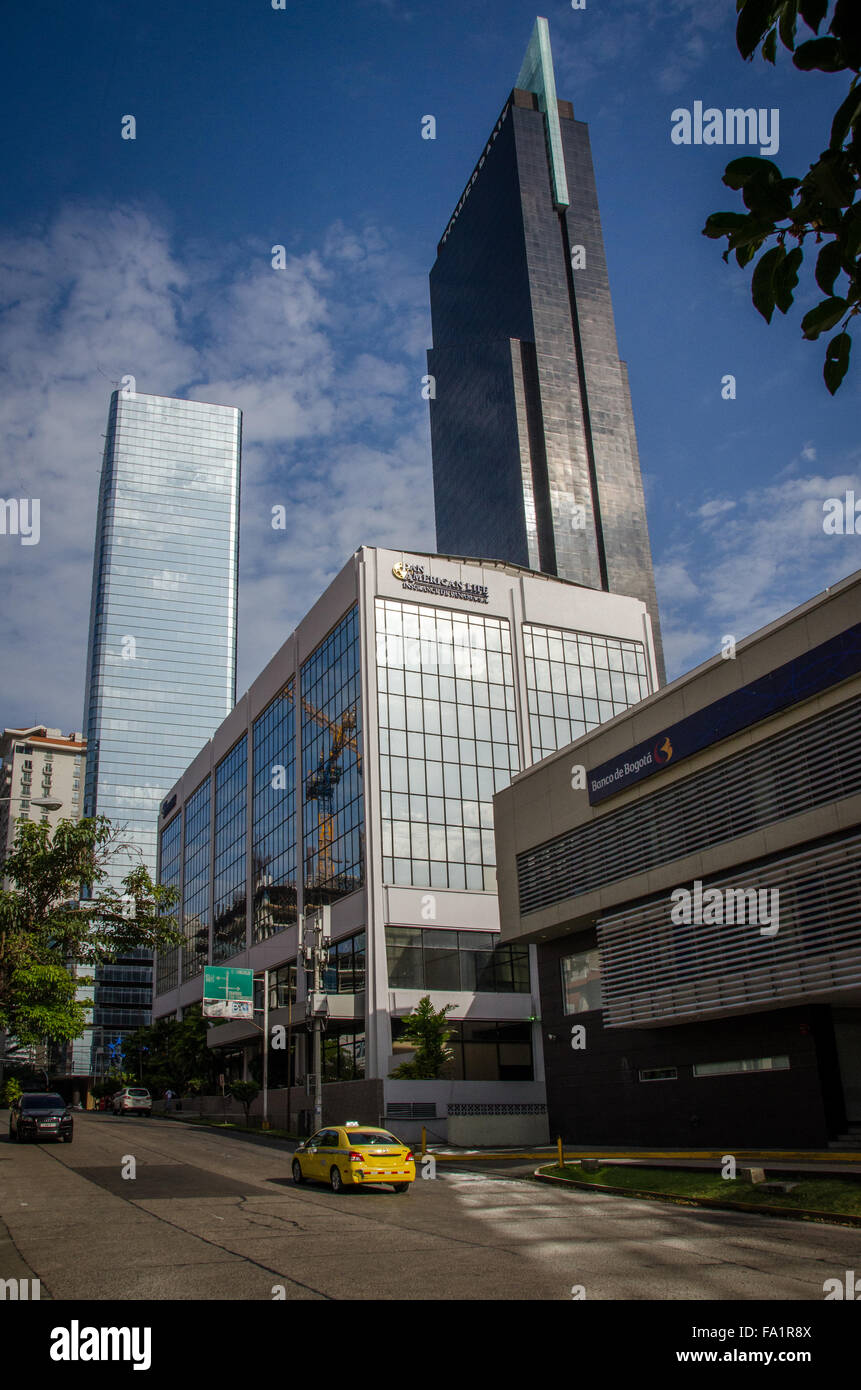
pixel 417 578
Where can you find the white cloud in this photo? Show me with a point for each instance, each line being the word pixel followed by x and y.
pixel 709 510
pixel 747 563
pixel 324 358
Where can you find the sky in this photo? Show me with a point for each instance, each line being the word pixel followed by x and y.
pixel 302 127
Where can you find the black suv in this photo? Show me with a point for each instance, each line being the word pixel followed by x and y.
pixel 40 1115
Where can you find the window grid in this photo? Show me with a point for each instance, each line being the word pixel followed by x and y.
pixel 196 898
pixel 477 962
pixel 228 923
pixel 448 741
pixel 575 681
pixel 486 1051
pixel 169 871
pixel 274 816
pixel 344 972
pixel 333 801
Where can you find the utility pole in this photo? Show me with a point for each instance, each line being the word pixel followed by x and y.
pixel 315 936
pixel 265 1124
pixel 291 975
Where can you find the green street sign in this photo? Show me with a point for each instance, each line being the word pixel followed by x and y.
pixel 228 992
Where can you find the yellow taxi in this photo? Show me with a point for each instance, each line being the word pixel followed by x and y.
pixel 354 1155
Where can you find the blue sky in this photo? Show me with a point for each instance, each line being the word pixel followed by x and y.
pixel 302 127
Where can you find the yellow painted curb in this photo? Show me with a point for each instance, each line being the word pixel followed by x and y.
pixel 741 1156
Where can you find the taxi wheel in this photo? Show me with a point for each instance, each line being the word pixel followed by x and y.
pixel 297 1172
pixel 336 1180
pixel 402 1186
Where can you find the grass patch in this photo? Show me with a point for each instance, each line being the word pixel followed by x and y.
pixel 211 1122
pixel 835 1196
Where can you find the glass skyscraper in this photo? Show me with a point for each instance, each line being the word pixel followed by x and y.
pixel 534 451
pixel 161 666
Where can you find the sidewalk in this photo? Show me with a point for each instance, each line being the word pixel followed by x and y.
pixel 792 1160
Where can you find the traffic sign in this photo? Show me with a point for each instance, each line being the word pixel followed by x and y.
pixel 228 992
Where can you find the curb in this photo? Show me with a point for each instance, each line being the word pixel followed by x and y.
pixel 254 1136
pixel 708 1203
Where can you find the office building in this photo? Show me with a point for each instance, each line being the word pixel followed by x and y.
pixel 696 907
pixel 41 778
pixel 161 666
pixel 534 452
pixel 358 771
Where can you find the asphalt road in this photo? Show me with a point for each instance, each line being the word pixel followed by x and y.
pixel 208 1216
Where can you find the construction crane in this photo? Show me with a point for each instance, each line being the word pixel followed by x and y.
pixel 321 785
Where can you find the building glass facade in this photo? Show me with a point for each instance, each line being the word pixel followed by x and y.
pixel 162 655
pixel 529 387
pixel 333 812
pixel 576 680
pixel 474 962
pixel 231 799
pixel 161 661
pixel 274 816
pixel 344 972
pixel 402 699
pixel 448 741
pixel 167 976
pixel 196 899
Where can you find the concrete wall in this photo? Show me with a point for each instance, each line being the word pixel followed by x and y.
pixel 474 1131
pixel 342 1100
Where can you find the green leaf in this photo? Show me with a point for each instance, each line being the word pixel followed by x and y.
pixel 721 223
pixel 788 18
pixel 828 266
pixel 823 55
pixel 836 361
pixel 850 233
pixel 813 12
pixel 769 48
pixel 845 117
pixel 752 233
pixel 754 22
pixel 832 179
pixel 745 254
pixel 824 316
pixel 786 279
pixel 762 284
pixel 740 171
pixel 846 26
pixel 769 200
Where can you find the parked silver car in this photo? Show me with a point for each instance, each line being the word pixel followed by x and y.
pixel 132 1100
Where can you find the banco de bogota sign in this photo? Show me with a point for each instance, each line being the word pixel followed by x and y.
pixel 414 577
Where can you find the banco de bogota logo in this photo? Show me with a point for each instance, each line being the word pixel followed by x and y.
pixel 663 751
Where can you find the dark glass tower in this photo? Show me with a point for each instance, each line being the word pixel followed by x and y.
pixel 534 452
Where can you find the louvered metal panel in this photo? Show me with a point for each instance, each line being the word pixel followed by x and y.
pixel 807 766
pixel 656 971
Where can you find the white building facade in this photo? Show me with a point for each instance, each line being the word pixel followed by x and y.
pixel 359 771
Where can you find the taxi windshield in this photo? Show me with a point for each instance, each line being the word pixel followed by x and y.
pixel 369 1139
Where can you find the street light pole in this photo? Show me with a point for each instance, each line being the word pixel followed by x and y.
pixel 315 934
pixel 265 1124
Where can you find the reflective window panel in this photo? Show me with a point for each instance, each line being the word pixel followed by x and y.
pixel 274 816
pixel 168 963
pixel 576 680
pixel 162 655
pixel 333 801
pixel 448 741
pixel 196 889
pixel 228 915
